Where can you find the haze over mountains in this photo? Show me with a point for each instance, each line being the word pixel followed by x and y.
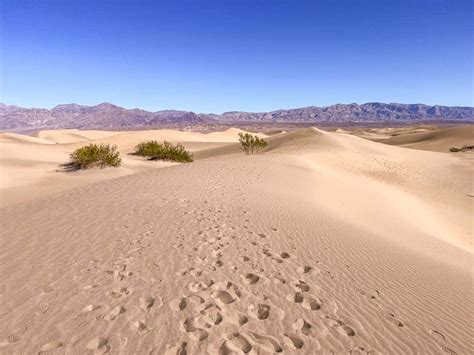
pixel 109 116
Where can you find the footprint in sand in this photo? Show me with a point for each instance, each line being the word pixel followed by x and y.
pixel 391 318
pixel 200 286
pixel 88 309
pixel 190 325
pixel 341 326
pixel 302 326
pixel 250 278
pixel 222 296
pixel 177 350
pixel 307 302
pixel 147 302
pixel 311 303
pixel 359 350
pixel 115 313
pixel 266 343
pixel 293 341
pixel 304 269
pixel 237 342
pixel 279 280
pixel 296 297
pixel 236 318
pixel 117 293
pixel 211 315
pixel 140 326
pixel 259 311
pixel 218 263
pixel 301 286
pixel 199 335
pixel 99 345
pixel 208 317
pixel 51 346
pixel 91 308
pixel 181 303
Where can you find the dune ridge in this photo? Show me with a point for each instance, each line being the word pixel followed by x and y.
pixel 427 137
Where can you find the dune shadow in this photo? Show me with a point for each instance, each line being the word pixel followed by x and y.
pixel 67 167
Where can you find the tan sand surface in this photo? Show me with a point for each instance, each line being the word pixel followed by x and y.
pixel 422 137
pixel 326 243
pixel 30 165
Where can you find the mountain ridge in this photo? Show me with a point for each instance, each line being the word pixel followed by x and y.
pixel 110 116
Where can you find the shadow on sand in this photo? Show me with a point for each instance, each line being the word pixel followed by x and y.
pixel 67 167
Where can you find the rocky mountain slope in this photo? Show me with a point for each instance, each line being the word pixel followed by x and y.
pixel 108 116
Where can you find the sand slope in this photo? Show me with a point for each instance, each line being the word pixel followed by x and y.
pixel 426 138
pixel 325 243
pixel 30 165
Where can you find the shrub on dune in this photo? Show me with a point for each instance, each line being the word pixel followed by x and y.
pixel 251 144
pixel 92 155
pixel 166 151
pixel 466 148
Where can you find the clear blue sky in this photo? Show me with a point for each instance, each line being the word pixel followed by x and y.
pixel 253 55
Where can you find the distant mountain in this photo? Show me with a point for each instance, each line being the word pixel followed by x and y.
pixel 370 112
pixel 103 116
pixel 108 116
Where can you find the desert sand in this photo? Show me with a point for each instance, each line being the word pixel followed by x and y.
pixel 423 137
pixel 325 243
pixel 30 165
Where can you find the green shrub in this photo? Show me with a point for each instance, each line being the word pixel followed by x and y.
pixel 166 151
pixel 465 148
pixel 95 155
pixel 251 144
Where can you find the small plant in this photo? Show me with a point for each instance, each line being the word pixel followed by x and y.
pixel 95 155
pixel 251 144
pixel 465 148
pixel 166 151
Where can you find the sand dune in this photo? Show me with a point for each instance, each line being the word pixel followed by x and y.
pixel 424 137
pixel 73 135
pixel 7 137
pixel 325 243
pixel 29 164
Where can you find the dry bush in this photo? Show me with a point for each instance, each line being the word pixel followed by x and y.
pixel 92 155
pixel 251 144
pixel 166 151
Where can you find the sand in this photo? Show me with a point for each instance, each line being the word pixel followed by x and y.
pixel 433 138
pixel 30 165
pixel 325 243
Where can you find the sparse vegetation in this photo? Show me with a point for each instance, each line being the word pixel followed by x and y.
pixel 251 144
pixel 153 150
pixel 466 148
pixel 93 155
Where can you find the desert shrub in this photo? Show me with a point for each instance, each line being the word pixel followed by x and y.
pixel 166 151
pixel 95 155
pixel 465 148
pixel 251 144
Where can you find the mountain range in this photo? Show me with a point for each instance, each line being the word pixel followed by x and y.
pixel 109 116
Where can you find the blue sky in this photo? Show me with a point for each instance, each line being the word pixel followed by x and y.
pixel 252 55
